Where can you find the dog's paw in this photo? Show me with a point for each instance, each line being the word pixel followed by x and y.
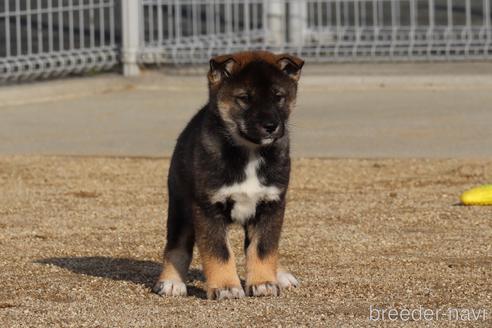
pixel 225 293
pixel 170 288
pixel 266 289
pixel 286 280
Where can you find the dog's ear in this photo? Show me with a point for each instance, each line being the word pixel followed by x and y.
pixel 221 68
pixel 290 65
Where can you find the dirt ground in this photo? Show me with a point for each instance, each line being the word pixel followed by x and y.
pixel 81 238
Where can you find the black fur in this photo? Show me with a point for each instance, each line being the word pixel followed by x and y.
pixel 209 156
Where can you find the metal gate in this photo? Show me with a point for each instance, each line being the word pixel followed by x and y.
pixel 398 30
pixel 43 38
pixel 190 31
pixel 320 30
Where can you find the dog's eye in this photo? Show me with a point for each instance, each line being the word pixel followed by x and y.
pixel 244 98
pixel 279 97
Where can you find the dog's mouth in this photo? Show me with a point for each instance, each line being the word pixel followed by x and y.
pixel 246 137
pixel 259 141
pixel 268 141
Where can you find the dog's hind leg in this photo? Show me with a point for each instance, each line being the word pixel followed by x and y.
pixel 178 251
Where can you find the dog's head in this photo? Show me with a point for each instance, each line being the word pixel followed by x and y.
pixel 254 93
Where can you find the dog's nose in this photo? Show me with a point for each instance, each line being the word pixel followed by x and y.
pixel 270 127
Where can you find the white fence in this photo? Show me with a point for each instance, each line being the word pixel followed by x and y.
pixel 41 38
pixel 321 30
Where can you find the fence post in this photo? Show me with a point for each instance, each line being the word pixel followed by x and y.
pixel 131 33
pixel 298 22
pixel 276 17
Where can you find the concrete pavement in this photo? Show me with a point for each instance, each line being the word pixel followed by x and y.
pixel 386 110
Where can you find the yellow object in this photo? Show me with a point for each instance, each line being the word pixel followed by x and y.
pixel 477 196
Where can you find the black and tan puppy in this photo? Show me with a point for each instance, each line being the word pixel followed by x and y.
pixel 231 164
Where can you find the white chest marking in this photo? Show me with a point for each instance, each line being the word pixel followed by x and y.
pixel 246 194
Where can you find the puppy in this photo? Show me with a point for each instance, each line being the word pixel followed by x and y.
pixel 231 165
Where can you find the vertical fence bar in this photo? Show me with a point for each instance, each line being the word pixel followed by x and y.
pixel 111 23
pixel 468 14
pixel 71 25
pixel 60 26
pixel 102 23
pixel 449 29
pixel 150 8
pixel 468 31
pixel 29 27
pixel 40 28
pixel 488 27
pixel 298 22
pixel 130 28
pixel 236 16
pixel 375 21
pixel 189 19
pixel 208 18
pixel 177 6
pixel 18 28
pixel 81 25
pixel 320 28
pixel 413 23
pixel 449 12
pixel 346 13
pixel 375 24
pixel 363 13
pixel 311 14
pixel 247 21
pixel 170 25
pixel 338 22
pixel 430 31
pixel 160 32
pixel 356 28
pixel 394 27
pixel 7 29
pixel 338 16
pixel 276 11
pixel 264 27
pixel 216 9
pixel 228 22
pixel 195 25
pixel 431 14
pixel 50 25
pixel 92 28
pixel 329 22
pixel 393 14
pixel 381 13
pixel 254 15
pixel 141 27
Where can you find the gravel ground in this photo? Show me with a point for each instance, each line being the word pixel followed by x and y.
pixel 81 238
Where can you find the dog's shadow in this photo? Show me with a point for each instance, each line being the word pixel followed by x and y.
pixel 136 271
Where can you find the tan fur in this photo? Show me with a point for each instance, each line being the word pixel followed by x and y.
pixel 224 110
pixel 176 263
pixel 219 274
pixel 260 271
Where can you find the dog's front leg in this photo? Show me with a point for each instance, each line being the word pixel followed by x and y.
pixel 263 234
pixel 219 264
